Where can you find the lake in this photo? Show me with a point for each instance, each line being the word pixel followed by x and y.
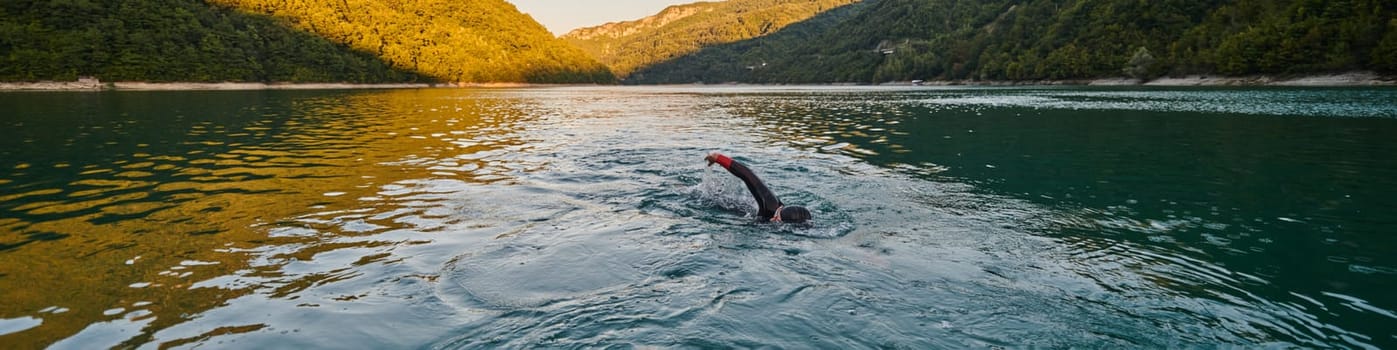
pixel 578 217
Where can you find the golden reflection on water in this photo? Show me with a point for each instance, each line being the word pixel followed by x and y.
pixel 128 237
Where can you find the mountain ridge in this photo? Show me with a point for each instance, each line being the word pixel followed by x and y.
pixel 1038 40
pixel 453 41
pixel 625 28
pixel 749 41
pixel 684 29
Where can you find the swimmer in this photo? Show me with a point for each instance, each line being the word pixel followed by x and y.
pixel 768 206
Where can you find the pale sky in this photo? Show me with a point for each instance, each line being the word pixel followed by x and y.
pixel 561 16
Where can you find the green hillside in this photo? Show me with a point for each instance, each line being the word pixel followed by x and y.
pixel 890 40
pixel 684 29
pixel 361 41
pixel 451 40
pixel 169 40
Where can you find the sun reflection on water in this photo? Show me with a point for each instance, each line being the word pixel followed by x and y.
pixel 125 222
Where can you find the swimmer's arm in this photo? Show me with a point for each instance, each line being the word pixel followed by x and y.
pixel 767 203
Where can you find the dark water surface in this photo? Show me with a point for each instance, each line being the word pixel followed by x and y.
pixel 584 217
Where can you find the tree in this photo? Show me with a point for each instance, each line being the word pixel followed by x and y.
pixel 1141 64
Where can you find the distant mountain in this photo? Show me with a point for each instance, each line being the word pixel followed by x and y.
pixel 891 40
pixel 684 29
pixel 284 41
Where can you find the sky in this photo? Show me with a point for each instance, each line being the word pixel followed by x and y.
pixel 561 16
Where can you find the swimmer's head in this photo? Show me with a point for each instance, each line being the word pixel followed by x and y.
pixel 793 214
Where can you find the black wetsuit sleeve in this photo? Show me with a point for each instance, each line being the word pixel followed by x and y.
pixel 766 201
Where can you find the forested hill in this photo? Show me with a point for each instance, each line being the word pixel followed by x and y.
pixel 684 29
pixel 900 40
pixel 362 41
pixel 452 40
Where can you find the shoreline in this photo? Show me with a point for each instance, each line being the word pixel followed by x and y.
pixel 144 86
pixel 1349 79
pixel 1318 80
pixel 93 85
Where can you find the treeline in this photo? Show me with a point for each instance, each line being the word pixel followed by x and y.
pixel 170 40
pixel 900 40
pixel 363 41
pixel 684 29
pixel 450 40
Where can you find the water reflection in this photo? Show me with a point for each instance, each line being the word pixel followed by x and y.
pixel 1261 213
pixel 948 218
pixel 120 229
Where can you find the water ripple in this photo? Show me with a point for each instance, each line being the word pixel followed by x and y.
pixel 585 217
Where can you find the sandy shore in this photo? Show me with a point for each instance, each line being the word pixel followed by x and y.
pixel 51 86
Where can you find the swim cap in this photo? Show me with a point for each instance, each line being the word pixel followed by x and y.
pixel 794 214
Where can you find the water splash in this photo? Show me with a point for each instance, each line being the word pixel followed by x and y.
pixel 723 190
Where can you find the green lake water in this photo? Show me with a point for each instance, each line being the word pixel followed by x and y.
pixel 580 217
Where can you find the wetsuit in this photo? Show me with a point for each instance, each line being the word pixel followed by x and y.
pixel 767 203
